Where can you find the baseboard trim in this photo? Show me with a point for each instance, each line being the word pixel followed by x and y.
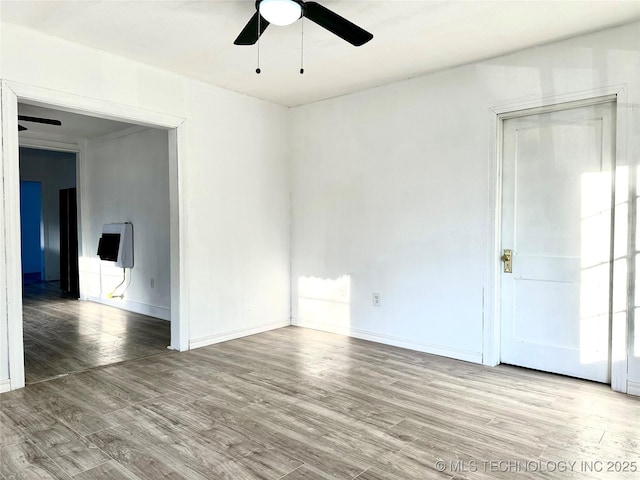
pixel 633 388
pixel 233 334
pixel 154 311
pixel 5 385
pixel 458 354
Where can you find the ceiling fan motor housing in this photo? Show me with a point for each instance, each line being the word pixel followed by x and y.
pixel 279 12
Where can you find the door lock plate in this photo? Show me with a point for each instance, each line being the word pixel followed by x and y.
pixel 507 258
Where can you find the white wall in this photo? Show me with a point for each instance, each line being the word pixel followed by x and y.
pixel 390 186
pixel 125 178
pixel 235 177
pixel 56 170
pixel 391 189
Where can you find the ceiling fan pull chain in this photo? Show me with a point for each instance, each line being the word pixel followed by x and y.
pixel 258 42
pixel 302 46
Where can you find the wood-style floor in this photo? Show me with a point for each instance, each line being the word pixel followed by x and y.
pixel 297 404
pixel 63 335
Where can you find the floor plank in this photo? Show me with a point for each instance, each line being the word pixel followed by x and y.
pixel 26 461
pixel 110 470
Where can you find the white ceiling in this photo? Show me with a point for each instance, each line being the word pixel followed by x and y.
pixel 74 126
pixel 195 38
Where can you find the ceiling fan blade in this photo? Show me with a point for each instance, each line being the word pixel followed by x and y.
pixel 21 128
pixel 336 24
pixel 249 34
pixel 48 121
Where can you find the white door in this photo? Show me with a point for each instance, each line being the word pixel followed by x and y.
pixel 556 219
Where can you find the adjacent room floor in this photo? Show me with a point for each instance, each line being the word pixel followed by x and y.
pixel 296 404
pixel 63 335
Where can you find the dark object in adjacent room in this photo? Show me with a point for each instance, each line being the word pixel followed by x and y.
pixel 69 274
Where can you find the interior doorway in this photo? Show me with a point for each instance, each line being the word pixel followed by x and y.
pixel 557 230
pixel 61 335
pixel 13 94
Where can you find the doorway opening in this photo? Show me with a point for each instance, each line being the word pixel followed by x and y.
pixel 14 94
pixel 61 335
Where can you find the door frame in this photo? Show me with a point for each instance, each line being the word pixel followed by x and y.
pixel 510 108
pixel 10 269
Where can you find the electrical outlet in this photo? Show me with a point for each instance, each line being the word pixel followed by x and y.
pixel 376 299
pixel 153 283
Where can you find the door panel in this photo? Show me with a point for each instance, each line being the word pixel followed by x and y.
pixel 556 217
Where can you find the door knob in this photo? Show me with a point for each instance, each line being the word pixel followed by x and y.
pixel 507 259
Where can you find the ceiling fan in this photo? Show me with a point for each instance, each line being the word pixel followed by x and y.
pixel 26 118
pixel 286 12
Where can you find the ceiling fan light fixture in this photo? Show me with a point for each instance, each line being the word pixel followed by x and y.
pixel 280 12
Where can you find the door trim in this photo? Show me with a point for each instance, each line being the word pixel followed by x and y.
pixel 12 268
pixel 10 284
pixel 498 112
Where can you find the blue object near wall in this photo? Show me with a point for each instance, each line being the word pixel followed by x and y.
pixel 31 230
